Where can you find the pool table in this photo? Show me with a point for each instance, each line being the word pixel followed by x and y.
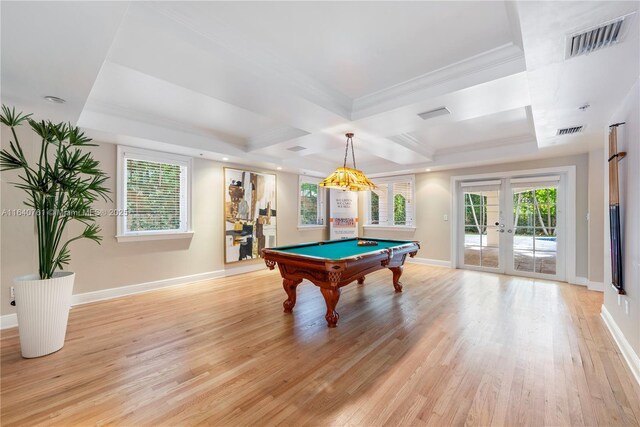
pixel 332 264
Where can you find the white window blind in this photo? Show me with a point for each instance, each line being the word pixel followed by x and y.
pixel 402 203
pixel 392 203
pixel 153 193
pixel 379 205
pixel 311 202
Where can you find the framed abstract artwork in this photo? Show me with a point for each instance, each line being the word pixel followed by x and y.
pixel 249 214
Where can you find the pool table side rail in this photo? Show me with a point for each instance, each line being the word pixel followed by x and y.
pixel 330 275
pixel 326 272
pixel 329 242
pixel 281 251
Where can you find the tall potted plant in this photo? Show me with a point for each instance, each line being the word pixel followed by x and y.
pixel 60 186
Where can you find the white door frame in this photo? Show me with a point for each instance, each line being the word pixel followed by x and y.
pixel 569 173
pixel 561 225
pixel 459 218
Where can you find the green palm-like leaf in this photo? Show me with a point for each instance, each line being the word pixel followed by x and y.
pixel 61 186
pixel 77 138
pixel 8 161
pixel 10 118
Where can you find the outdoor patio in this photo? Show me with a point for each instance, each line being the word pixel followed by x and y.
pixel 529 255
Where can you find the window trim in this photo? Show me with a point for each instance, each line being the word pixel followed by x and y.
pixel 390 180
pixel 155 156
pixel 322 197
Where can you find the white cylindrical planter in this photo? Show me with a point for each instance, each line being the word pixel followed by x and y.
pixel 43 311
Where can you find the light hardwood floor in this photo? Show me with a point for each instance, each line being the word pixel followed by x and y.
pixel 456 347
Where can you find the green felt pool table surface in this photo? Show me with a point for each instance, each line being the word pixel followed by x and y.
pixel 338 249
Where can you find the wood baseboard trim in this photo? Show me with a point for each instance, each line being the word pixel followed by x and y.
pixel 11 320
pixel 625 348
pixel 427 261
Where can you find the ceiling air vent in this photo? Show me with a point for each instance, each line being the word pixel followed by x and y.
pixel 434 113
pixel 570 131
pixel 296 148
pixel 596 38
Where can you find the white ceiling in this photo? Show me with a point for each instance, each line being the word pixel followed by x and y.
pixel 357 49
pixel 249 80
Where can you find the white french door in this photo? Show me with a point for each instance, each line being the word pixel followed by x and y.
pixel 482 224
pixel 512 225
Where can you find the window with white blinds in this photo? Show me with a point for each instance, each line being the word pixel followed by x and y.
pixel 310 202
pixel 392 203
pixel 379 205
pixel 403 203
pixel 153 192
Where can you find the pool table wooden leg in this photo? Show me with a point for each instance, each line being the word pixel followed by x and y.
pixel 290 288
pixel 397 272
pixel 331 297
pixel 360 280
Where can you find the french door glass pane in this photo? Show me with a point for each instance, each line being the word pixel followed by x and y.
pixel 534 237
pixel 523 238
pixel 481 240
pixel 472 255
pixel 545 262
pixel 523 260
pixel 490 257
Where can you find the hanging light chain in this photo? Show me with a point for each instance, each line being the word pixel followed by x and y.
pixel 346 152
pixel 353 154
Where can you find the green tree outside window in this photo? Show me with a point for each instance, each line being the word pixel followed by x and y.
pixel 399 210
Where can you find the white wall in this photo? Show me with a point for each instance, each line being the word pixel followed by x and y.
pixel 113 264
pixel 433 201
pixel 629 175
pixel 596 217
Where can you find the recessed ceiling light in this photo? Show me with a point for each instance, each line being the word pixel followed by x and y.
pixel 54 99
pixel 427 170
pixel 226 159
pixel 279 168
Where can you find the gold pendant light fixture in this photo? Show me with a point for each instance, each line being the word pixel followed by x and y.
pixel 345 178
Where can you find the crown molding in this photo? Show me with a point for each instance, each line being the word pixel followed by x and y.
pixel 255 57
pixel 495 63
pixel 274 136
pixel 145 129
pixel 409 141
pixel 484 145
pixel 111 109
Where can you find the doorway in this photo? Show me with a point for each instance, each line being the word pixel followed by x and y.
pixel 512 224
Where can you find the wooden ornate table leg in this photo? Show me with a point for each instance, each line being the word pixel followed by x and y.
pixel 290 288
pixel 360 280
pixel 331 297
pixel 397 272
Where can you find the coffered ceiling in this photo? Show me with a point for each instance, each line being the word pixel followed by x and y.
pixel 249 81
